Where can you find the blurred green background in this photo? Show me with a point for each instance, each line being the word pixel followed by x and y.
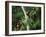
pixel 19 22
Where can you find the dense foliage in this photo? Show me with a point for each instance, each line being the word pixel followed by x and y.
pixel 31 20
